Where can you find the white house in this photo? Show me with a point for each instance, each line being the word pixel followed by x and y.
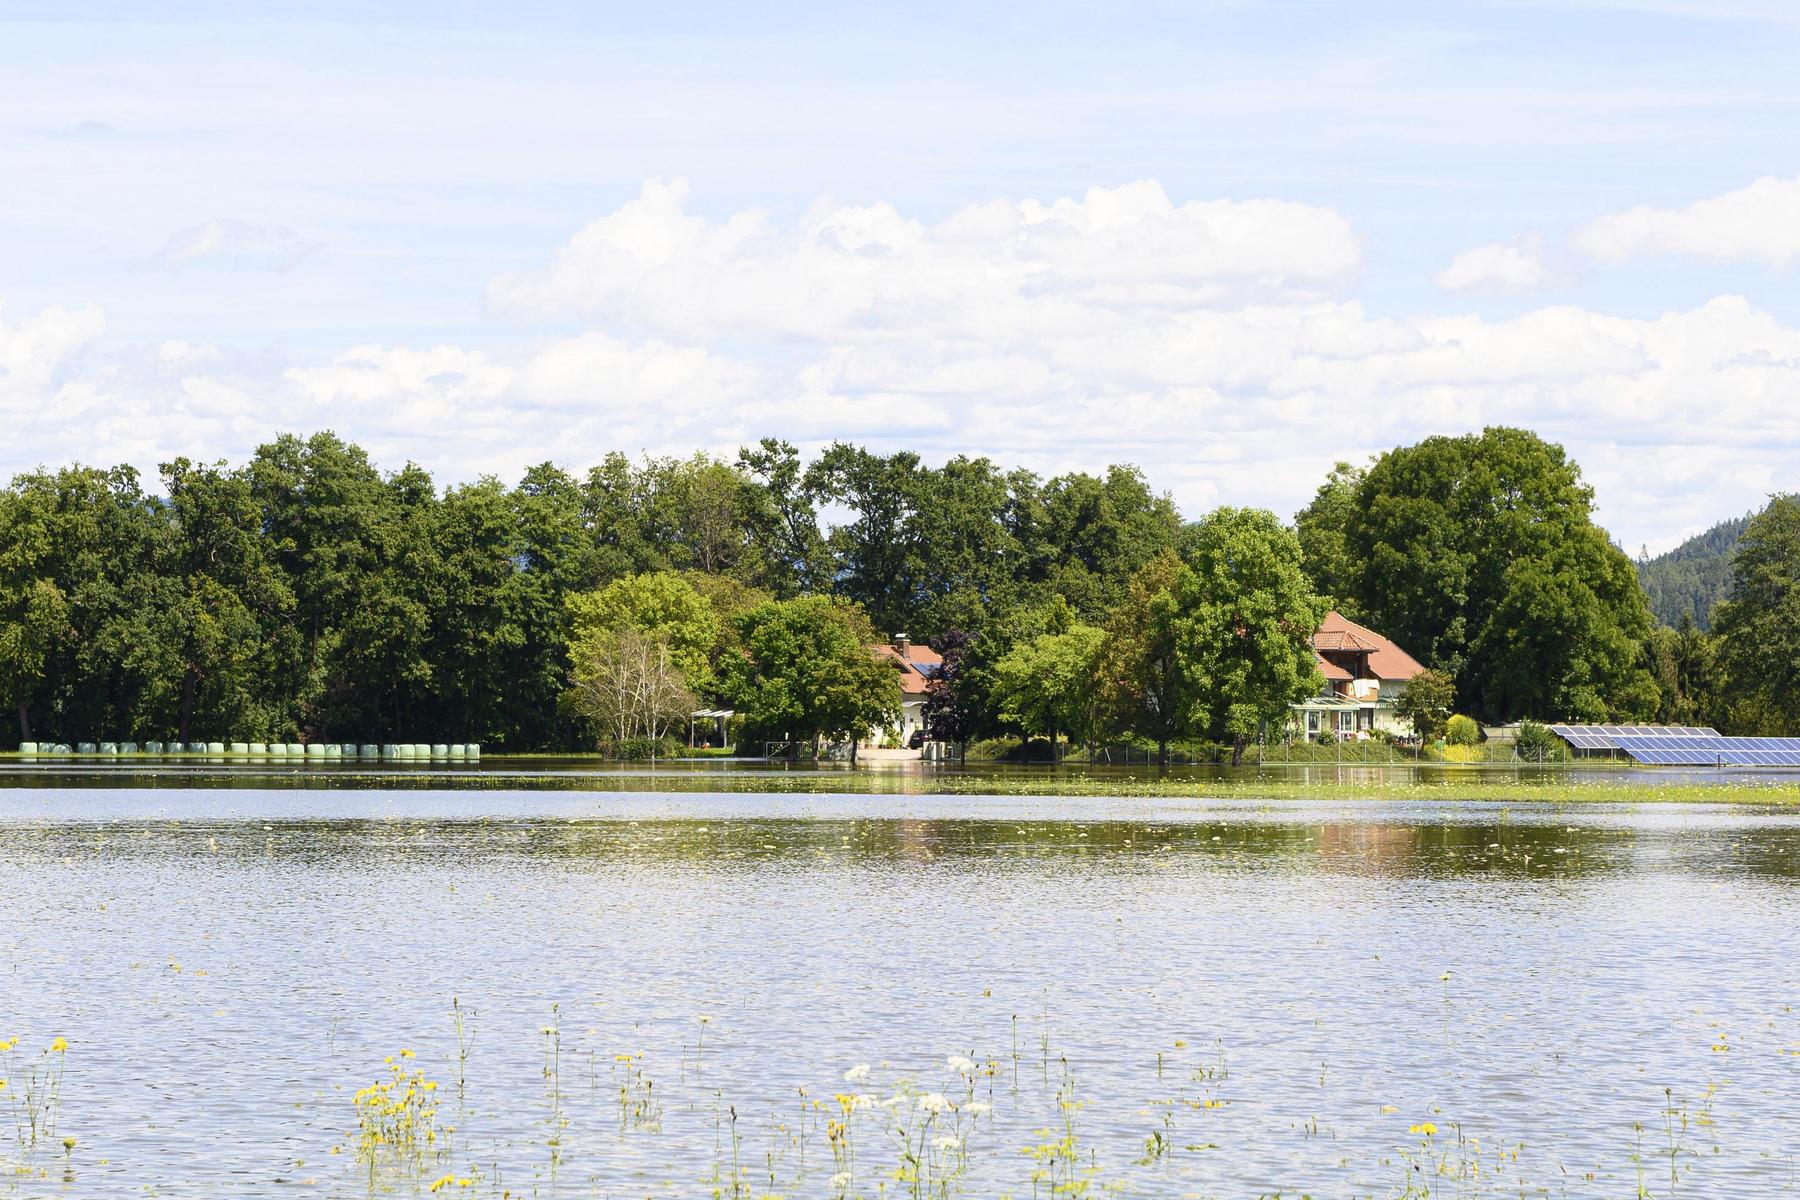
pixel 1365 674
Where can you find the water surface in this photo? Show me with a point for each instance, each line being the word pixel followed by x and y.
pixel 1261 986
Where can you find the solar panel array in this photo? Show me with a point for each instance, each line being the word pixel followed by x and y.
pixel 1611 737
pixel 1714 751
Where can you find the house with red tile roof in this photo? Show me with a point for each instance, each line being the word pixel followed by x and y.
pixel 916 665
pixel 1365 673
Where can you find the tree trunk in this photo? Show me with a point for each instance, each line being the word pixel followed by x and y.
pixel 1162 752
pixel 1237 750
pixel 24 720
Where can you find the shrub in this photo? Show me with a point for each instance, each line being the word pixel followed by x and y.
pixel 640 748
pixel 1537 744
pixel 1462 731
pixel 999 749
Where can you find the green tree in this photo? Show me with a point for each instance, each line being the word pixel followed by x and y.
pixel 1046 685
pixel 783 521
pixel 627 684
pixel 1321 527
pixel 1758 628
pixel 1479 554
pixel 1144 681
pixel 226 623
pixel 665 606
pixel 1426 703
pixel 1246 617
pixel 806 672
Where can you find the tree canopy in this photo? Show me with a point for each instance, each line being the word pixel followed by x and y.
pixel 1479 554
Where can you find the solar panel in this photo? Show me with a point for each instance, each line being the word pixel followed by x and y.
pixel 1712 750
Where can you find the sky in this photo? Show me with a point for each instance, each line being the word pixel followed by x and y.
pixel 1233 243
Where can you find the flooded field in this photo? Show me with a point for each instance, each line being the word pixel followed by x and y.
pixel 254 987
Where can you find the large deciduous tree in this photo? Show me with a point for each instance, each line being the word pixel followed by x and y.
pixel 1046 685
pixel 1479 555
pixel 1244 626
pixel 1145 683
pixel 806 671
pixel 1758 628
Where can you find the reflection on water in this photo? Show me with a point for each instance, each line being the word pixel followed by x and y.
pixel 1205 997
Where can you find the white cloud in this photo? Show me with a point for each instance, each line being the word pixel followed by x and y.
pixel 1061 347
pixel 36 351
pixel 236 244
pixel 1759 223
pixel 1496 267
pixel 1114 255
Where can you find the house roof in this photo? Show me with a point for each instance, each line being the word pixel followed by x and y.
pixel 1331 670
pixel 1386 660
pixel 916 667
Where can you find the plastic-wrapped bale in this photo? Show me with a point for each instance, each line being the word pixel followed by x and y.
pixel 28 747
pixel 295 750
pixel 109 747
pixel 128 748
pixel 240 747
pixel 368 750
pixel 152 747
pixel 457 750
pixel 215 747
pixel 472 750
pixel 440 750
pixel 255 748
pixel 315 750
pixel 334 750
pixel 84 747
pixel 390 750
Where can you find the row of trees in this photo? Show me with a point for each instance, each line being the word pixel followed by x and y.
pixel 305 593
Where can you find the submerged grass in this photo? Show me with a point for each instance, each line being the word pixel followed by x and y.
pixel 1356 782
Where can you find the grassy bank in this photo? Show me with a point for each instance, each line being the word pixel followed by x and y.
pixel 1322 782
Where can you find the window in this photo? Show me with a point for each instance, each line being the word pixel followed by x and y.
pixel 1312 721
pixel 1346 720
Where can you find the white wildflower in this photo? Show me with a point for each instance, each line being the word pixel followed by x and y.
pixel 862 1100
pixel 948 1142
pixel 857 1074
pixel 961 1065
pixel 841 1180
pixel 978 1108
pixel 935 1102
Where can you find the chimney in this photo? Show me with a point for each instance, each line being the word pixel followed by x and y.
pixel 901 644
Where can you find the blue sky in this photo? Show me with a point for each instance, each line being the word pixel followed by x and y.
pixel 1231 242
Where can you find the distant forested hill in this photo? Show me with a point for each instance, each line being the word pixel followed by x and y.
pixel 1693 576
